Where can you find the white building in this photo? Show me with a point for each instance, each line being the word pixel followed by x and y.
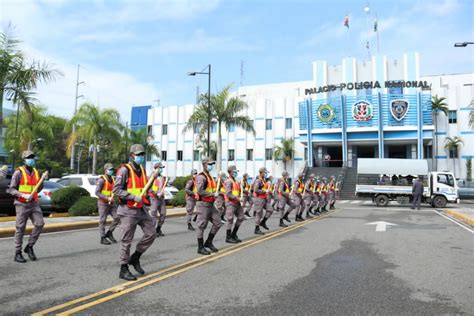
pixel 377 108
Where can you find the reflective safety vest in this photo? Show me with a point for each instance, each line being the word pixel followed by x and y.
pixel 246 186
pixel 264 194
pixel 158 184
pixel 211 188
pixel 300 188
pixel 194 189
pixel 222 188
pixel 332 187
pixel 28 183
pixel 235 192
pixel 107 188
pixel 324 188
pixel 310 190
pixel 135 185
pixel 286 190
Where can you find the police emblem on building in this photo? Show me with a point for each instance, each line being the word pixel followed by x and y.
pixel 326 113
pixel 362 111
pixel 399 109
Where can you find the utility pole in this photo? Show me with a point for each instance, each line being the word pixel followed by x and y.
pixel 75 111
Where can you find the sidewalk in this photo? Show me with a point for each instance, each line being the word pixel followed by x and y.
pixel 462 214
pixel 55 224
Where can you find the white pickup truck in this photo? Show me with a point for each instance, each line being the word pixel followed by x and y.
pixel 384 180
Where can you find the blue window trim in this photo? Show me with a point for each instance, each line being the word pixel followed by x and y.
pixel 258 159
pixel 441 157
pixel 260 138
pixel 259 118
pixel 240 139
pixel 188 141
pixel 466 109
pixel 171 160
pixel 467 157
pixel 171 142
pixel 467 132
pixel 298 158
pixel 279 117
pixel 440 133
pixel 278 138
pixel 156 142
pixel 187 160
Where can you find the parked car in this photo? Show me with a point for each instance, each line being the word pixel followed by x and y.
pixel 45 195
pixel 6 199
pixel 170 192
pixel 466 193
pixel 86 181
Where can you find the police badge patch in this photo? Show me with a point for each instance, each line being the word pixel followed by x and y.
pixel 399 109
pixel 362 111
pixel 326 113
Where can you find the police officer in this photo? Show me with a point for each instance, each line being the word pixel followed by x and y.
pixel 207 212
pixel 271 191
pixel 232 205
pixel 332 193
pixel 298 188
pixel 260 201
pixel 131 180
pixel 308 195
pixel 157 197
pixel 284 199
pixel 106 204
pixel 24 179
pixel 190 190
pixel 316 197
pixel 323 195
pixel 220 205
pixel 247 201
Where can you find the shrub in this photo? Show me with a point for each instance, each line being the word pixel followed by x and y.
pixel 179 199
pixel 180 182
pixel 86 205
pixel 64 198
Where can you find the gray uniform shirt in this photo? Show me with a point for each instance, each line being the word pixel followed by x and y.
pixel 307 187
pixel 228 190
pixel 189 188
pixel 282 188
pixel 15 183
pixel 258 186
pixel 418 188
pixel 99 186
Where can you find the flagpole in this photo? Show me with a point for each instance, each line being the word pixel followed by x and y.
pixel 378 43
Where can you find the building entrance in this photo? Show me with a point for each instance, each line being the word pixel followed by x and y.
pixel 336 156
pixel 366 151
pixel 397 151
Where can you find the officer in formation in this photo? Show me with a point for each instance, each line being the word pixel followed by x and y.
pixel 308 195
pixel 261 202
pixel 247 201
pixel 106 204
pixel 190 190
pixel 284 199
pixel 157 197
pixel 332 193
pixel 297 195
pixel 220 205
pixel 233 195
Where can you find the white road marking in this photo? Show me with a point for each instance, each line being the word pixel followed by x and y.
pixel 381 226
pixel 455 222
pixel 356 202
pixel 343 202
pixel 367 202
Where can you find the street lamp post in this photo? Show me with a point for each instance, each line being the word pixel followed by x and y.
pixel 463 44
pixel 75 111
pixel 208 73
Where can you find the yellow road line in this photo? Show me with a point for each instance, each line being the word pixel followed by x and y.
pixel 121 289
pixel 462 217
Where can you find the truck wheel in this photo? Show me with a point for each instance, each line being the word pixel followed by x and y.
pixel 381 200
pixel 439 201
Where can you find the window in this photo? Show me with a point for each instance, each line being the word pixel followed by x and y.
pixel 148 156
pixel 268 124
pixel 428 151
pixel 64 182
pixel 150 130
pixel 452 117
pixel 75 181
pixel 196 128
pixel 306 153
pixel 163 155
pixel 251 124
pixel 250 154
pixel 213 127
pixel 93 180
pixel 453 153
pixel 288 123
pixel 164 129
pixel 180 155
pixel 231 128
pixel 49 185
pixel 268 154
pixel 196 155
pixel 231 154
pixel 446 179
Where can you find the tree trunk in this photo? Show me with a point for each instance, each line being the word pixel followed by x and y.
pixel 284 164
pixel 435 145
pixel 29 145
pixel 94 155
pixel 219 147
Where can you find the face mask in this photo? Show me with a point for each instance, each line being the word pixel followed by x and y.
pixel 139 160
pixel 110 172
pixel 235 174
pixel 30 162
pixel 210 168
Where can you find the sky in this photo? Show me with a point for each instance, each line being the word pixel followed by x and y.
pixel 137 52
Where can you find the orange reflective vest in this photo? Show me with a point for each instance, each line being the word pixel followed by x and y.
pixel 107 188
pixel 264 194
pixel 135 185
pixel 332 187
pixel 211 188
pixel 158 184
pixel 287 189
pixel 194 196
pixel 28 183
pixel 235 192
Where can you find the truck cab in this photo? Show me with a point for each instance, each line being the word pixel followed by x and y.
pixel 443 189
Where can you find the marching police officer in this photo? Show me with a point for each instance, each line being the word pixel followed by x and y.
pixel 106 204
pixel 332 193
pixel 298 188
pixel 308 195
pixel 261 202
pixel 220 205
pixel 157 197
pixel 323 195
pixel 284 199
pixel 24 179
pixel 247 201
pixel 207 212
pixel 316 197
pixel 190 190
pixel 129 184
pixel 232 205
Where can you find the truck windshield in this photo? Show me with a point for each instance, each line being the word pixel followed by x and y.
pixel 446 179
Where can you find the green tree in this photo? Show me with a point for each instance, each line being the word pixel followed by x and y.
pixel 93 125
pixel 224 110
pixel 469 170
pixel 201 146
pixel 140 136
pixel 437 105
pixel 453 143
pixel 284 152
pixel 471 114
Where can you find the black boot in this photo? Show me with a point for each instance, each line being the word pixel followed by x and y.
pixel 110 236
pixel 318 211
pixel 159 233
pixel 190 226
pixel 19 257
pixel 332 207
pixel 104 241
pixel 208 243
pixel 308 215
pixel 298 218
pixel 195 218
pixel 282 224
pixel 135 262
pixel 258 231
pixel 286 218
pixel 223 220
pixel 29 251
pixel 234 234
pixel 229 238
pixel 126 274
pixel 201 249
pixel 247 214
pixel 263 223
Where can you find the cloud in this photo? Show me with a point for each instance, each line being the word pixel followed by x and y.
pixel 105 37
pixel 443 8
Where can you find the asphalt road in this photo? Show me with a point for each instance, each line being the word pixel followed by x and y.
pixel 335 265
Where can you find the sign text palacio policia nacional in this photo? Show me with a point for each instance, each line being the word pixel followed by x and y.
pixel 369 85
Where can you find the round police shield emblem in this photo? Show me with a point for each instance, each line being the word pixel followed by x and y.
pixel 399 109
pixel 326 113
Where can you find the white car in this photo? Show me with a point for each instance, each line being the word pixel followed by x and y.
pixel 170 192
pixel 86 181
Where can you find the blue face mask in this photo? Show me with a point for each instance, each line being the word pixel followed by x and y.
pixel 110 172
pixel 139 160
pixel 30 162
pixel 210 168
pixel 235 174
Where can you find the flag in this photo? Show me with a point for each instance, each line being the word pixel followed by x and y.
pixel 346 21
pixel 375 25
pixel 367 44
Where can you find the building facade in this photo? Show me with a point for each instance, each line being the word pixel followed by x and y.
pixel 358 109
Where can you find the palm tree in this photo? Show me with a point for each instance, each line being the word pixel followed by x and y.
pixel 471 114
pixel 201 146
pixel 284 152
pixel 93 124
pixel 453 143
pixel 140 136
pixel 225 110
pixel 437 105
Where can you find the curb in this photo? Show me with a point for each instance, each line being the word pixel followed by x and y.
pixel 462 217
pixel 58 227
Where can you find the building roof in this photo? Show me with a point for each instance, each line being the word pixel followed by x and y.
pixel 392 166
